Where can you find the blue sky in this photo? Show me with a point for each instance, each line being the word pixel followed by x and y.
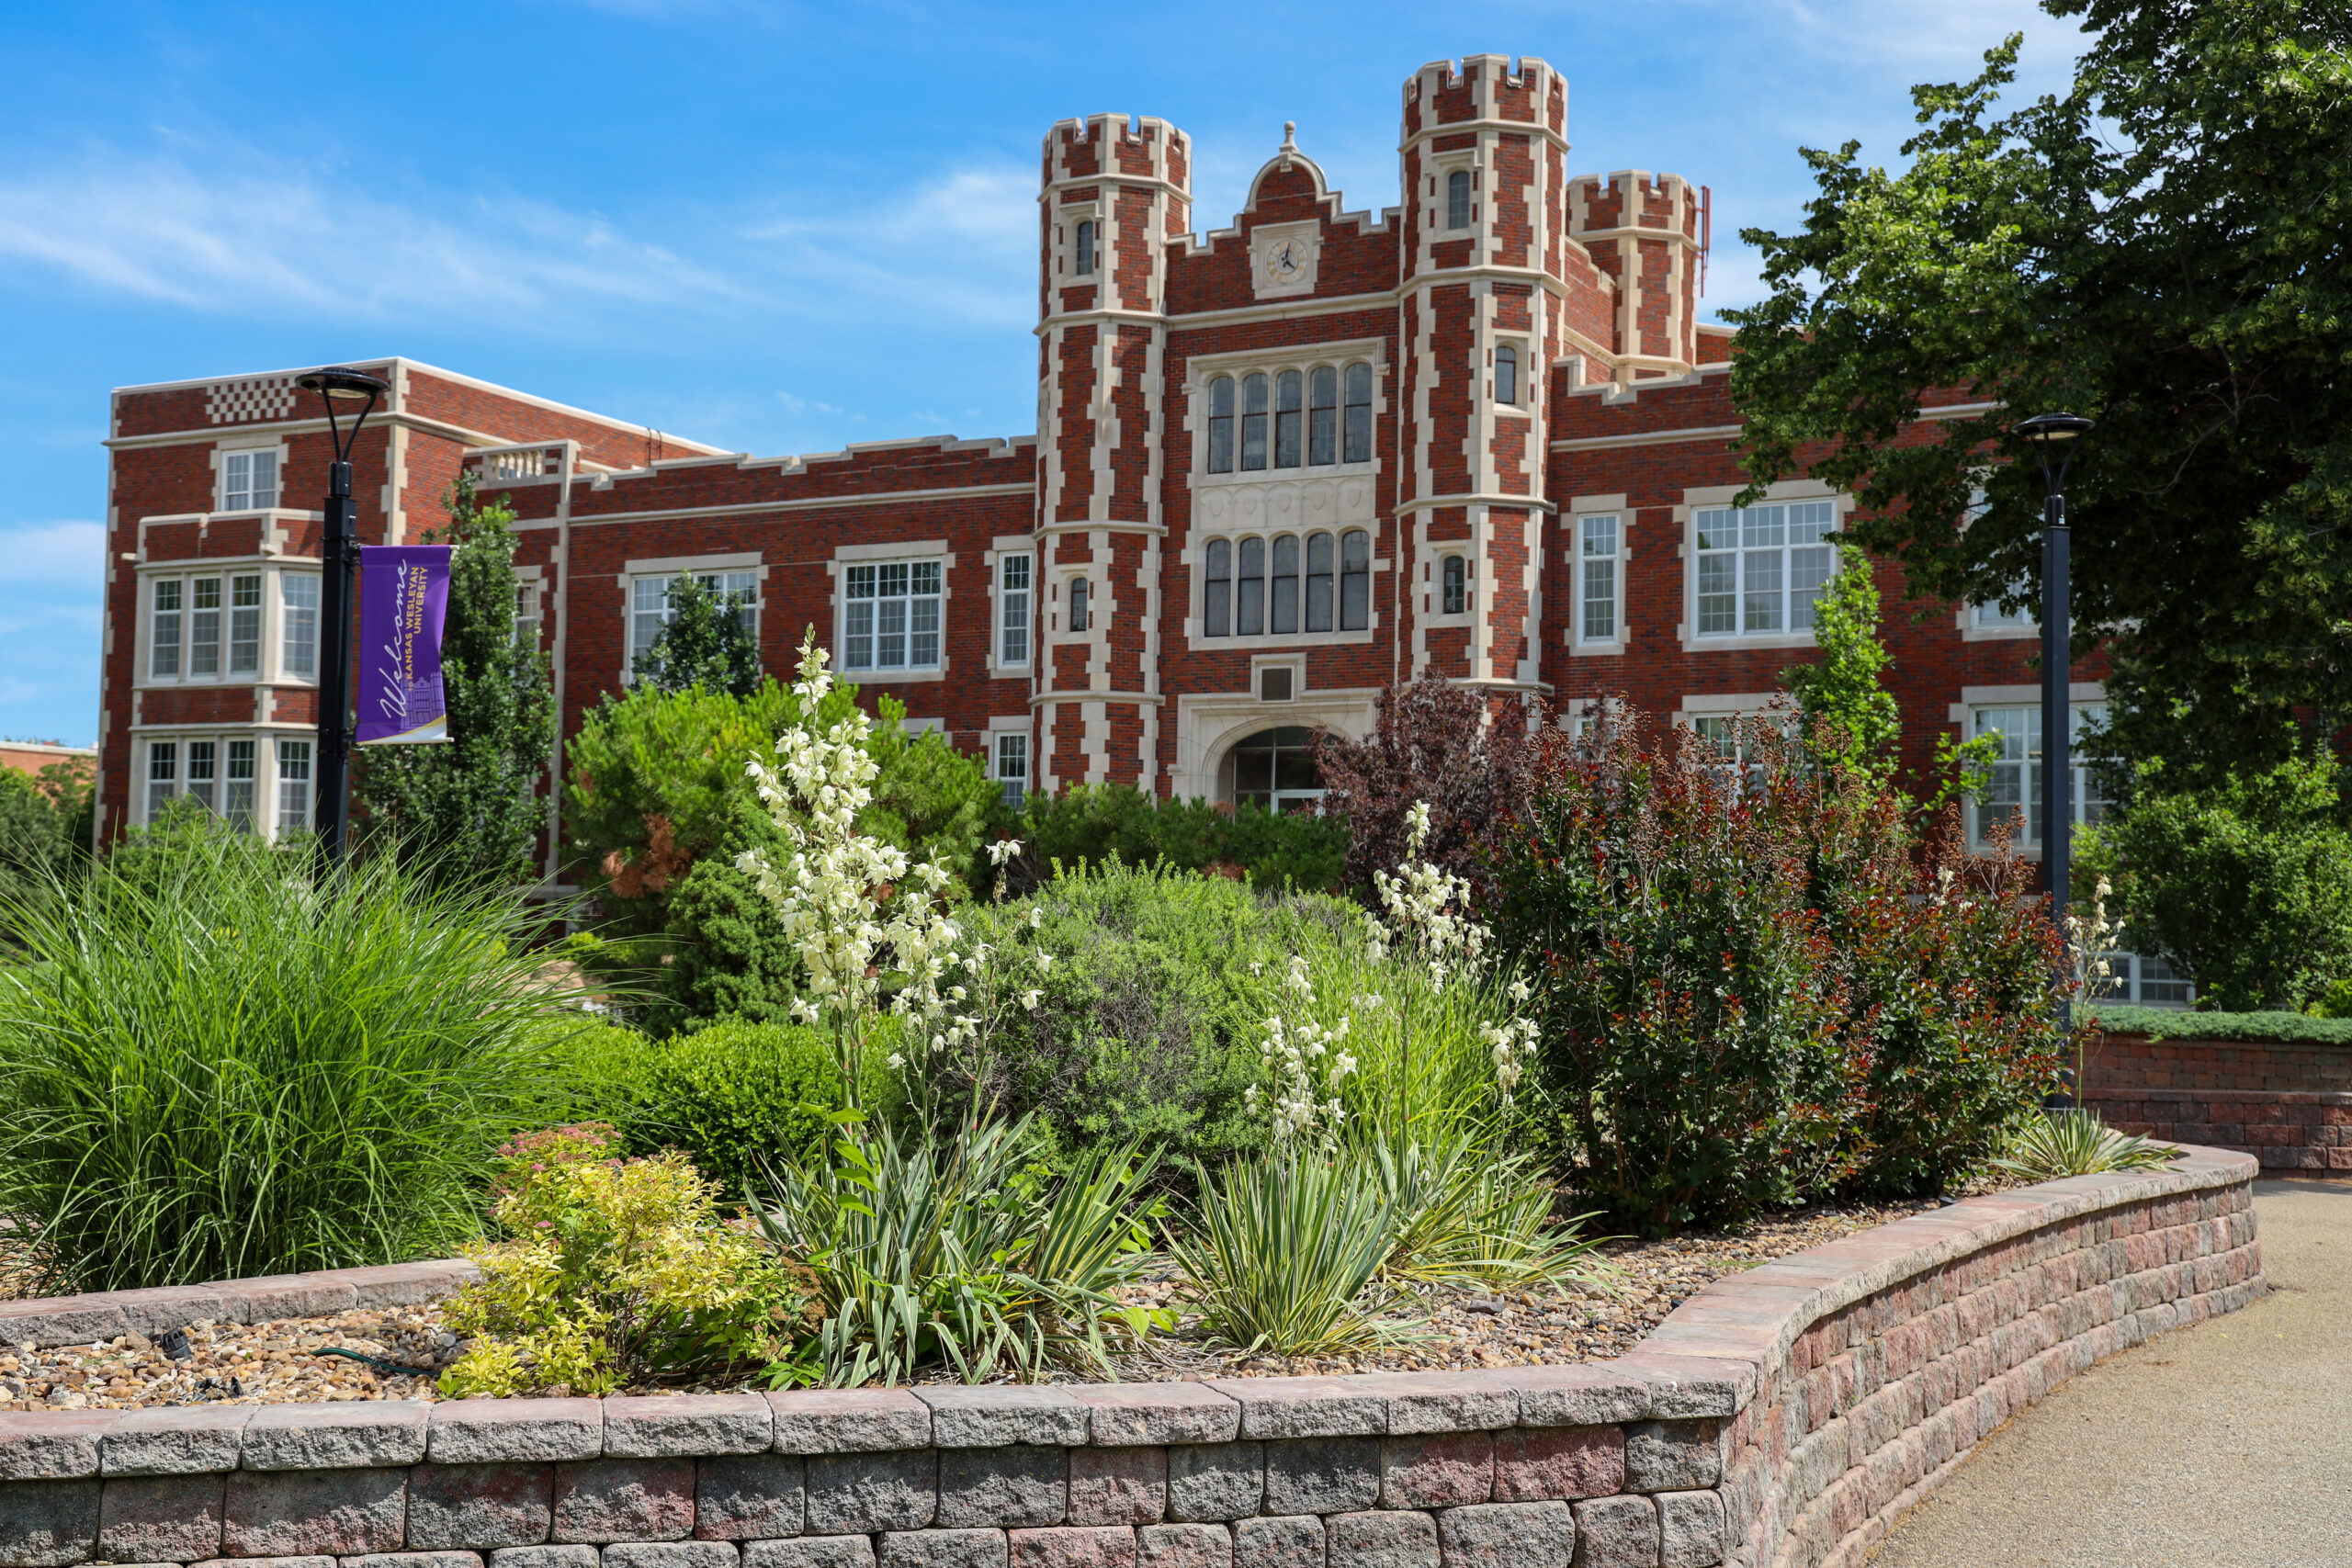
pixel 776 227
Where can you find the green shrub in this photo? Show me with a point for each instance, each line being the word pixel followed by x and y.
pixel 736 1097
pixel 238 1068
pixel 1280 1251
pixel 2167 1023
pixel 2242 890
pixel 44 827
pixel 615 1273
pixel 1094 824
pixel 659 809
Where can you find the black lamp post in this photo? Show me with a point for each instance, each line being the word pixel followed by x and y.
pixel 337 385
pixel 2052 435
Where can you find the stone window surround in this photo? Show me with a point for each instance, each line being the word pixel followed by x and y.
pixel 847 556
pixel 1705 497
pixel 273 611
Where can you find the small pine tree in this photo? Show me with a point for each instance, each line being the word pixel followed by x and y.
pixel 472 807
pixel 705 643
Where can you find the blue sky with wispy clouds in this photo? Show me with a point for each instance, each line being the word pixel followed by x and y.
pixel 778 226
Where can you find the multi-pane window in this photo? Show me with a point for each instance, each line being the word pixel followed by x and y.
pixel 1085 247
pixel 1012 766
pixel 298 647
pixel 1596 579
pixel 2014 792
pixel 293 786
pixel 1275 769
pixel 204 626
pixel 2014 610
pixel 203 777
pixel 1507 374
pixel 237 787
pixel 166 596
pixel 892 619
pixel 1457 200
pixel 1454 586
pixel 248 481
pixel 1290 419
pixel 526 616
pixel 1012 610
pixel 1078 621
pixel 162 775
pixel 1241 597
pixel 244 625
pixel 1761 569
pixel 650 609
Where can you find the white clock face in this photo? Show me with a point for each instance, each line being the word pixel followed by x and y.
pixel 1286 261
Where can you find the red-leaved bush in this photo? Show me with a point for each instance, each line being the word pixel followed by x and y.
pixel 1756 986
pixel 1458 748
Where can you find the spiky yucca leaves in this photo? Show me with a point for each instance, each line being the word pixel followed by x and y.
pixel 2076 1142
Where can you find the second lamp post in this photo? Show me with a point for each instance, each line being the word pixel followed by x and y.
pixel 2052 436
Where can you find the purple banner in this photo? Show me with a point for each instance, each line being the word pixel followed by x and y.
pixel 403 595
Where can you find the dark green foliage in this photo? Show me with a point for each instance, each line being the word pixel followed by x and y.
pixel 1154 1005
pixel 734 1098
pixel 2165 1024
pixel 2163 248
pixel 44 825
pixel 471 806
pixel 215 1066
pixel 1092 824
pixel 707 643
pixel 2247 888
pixel 658 807
pixel 1752 992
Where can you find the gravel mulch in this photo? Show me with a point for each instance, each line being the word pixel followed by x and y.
pixel 1435 1330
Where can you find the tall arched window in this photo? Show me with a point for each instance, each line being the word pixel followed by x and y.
pixel 1355 581
pixel 1457 200
pixel 1285 606
pixel 1085 267
pixel 1359 413
pixel 1253 423
pixel 1507 374
pixel 1221 425
pixel 1250 591
pixel 1218 599
pixel 1323 416
pixel 1453 587
pixel 1319 582
pixel 1288 395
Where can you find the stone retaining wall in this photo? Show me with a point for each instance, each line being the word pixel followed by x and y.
pixel 1783 1416
pixel 2289 1105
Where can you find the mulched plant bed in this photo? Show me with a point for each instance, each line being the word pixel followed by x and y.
pixel 1433 1330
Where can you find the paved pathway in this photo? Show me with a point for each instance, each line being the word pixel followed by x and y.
pixel 2226 1444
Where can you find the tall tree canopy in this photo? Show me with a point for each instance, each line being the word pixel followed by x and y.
pixel 2163 248
pixel 471 806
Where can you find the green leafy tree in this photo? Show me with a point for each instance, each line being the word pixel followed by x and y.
pixel 472 807
pixel 44 825
pixel 707 643
pixel 2163 247
pixel 2242 887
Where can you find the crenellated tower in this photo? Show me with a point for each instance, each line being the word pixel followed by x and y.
pixel 1644 231
pixel 1113 191
pixel 1483 302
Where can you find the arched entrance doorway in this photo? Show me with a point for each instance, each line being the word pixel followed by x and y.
pixel 1275 769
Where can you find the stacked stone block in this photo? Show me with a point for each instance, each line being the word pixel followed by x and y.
pixel 1785 1416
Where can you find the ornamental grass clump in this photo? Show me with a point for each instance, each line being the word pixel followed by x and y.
pixel 616 1273
pixel 216 1062
pixel 2076 1142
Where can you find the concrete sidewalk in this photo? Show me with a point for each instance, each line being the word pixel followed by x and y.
pixel 2225 1444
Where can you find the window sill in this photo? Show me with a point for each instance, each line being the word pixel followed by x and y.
pixel 889 677
pixel 1726 642
pixel 1203 479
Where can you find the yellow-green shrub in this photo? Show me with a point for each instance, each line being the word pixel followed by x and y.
pixel 616 1273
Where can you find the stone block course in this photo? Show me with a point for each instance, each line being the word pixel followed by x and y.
pixel 300 1513
pixel 174 1440
pixel 1138 1413
pixel 1184 1546
pixel 671 1554
pixel 1388 1539
pixel 608 1500
pixel 1073 1546
pixel 158 1519
pixel 1118 1486
pixel 1307 1407
pixel 1616 1532
pixel 52 1445
pixel 1322 1475
pixel 857 1420
pixel 944 1548
pixel 994 1416
pixel 1018 1484
pixel 1437 1470
pixel 415 1560
pixel 1559 1463
pixel 810 1551
pixel 687 1423
pixel 1215 1481
pixel 480 1507
pixel 1289 1542
pixel 1674 1456
pixel 862 1494
pixel 1507 1535
pixel 513 1431
pixel 744 1497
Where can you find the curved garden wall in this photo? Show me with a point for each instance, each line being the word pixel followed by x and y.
pixel 2286 1102
pixel 1783 1416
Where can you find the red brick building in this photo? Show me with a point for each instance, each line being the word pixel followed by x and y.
pixel 1485 433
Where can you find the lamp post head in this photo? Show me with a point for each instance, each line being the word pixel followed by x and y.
pixel 2047 432
pixel 340 383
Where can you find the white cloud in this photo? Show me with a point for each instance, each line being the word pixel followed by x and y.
pixel 55 555
pixel 961 243
pixel 239 233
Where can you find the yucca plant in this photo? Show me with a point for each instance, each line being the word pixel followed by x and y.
pixel 1465 1214
pixel 1282 1253
pixel 232 1065
pixel 956 1251
pixel 2076 1142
